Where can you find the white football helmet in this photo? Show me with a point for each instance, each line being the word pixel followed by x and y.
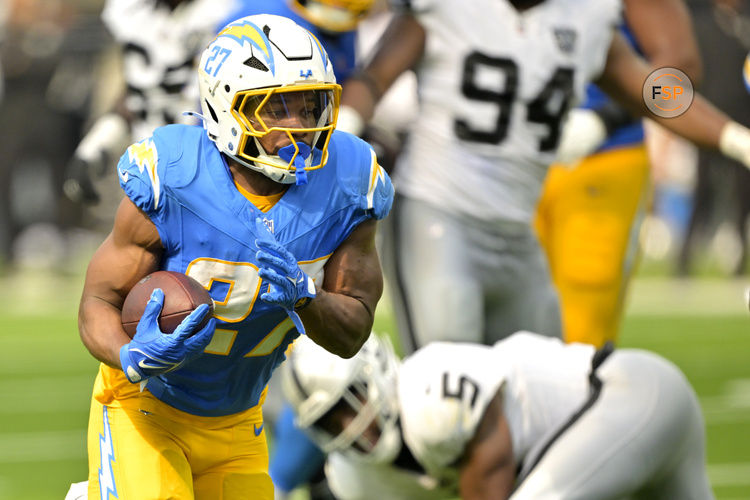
pixel 315 381
pixel 263 75
pixel 333 15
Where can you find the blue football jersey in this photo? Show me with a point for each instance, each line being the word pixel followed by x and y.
pixel 207 227
pixel 341 47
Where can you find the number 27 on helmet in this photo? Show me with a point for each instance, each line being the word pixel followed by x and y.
pixel 269 96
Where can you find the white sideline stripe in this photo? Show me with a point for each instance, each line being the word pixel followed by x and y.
pixel 737 474
pixel 42 446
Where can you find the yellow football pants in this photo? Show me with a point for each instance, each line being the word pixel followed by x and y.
pixel 588 220
pixel 140 449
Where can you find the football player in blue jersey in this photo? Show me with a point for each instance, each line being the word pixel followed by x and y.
pixel 296 460
pixel 275 214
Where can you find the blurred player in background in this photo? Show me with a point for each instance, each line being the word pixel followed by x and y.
pixel 47 48
pixel 589 214
pixel 495 80
pixel 159 41
pixel 275 214
pixel 721 191
pixel 527 418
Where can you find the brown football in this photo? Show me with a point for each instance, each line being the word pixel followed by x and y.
pixel 182 294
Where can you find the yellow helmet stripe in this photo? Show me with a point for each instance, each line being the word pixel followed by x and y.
pixel 247 31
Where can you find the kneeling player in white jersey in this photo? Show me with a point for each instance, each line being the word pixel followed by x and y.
pixel 527 418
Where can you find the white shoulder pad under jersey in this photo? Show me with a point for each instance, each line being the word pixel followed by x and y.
pixel 443 390
pixel 494 87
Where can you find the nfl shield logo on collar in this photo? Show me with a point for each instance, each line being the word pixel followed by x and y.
pixel 566 39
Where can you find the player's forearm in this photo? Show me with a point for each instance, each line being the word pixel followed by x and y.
pixel 623 79
pixel 338 322
pixel 398 50
pixel 100 328
pixel 701 124
pixel 357 107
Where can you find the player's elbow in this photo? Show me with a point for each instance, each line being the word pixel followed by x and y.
pixel 350 345
pixel 354 347
pixel 687 60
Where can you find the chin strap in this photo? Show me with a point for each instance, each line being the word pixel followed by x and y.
pixel 287 152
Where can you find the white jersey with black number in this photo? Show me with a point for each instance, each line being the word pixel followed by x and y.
pixel 570 439
pixel 443 392
pixel 160 48
pixel 494 85
pixel 445 388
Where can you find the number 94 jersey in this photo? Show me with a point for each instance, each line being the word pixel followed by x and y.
pixel 494 85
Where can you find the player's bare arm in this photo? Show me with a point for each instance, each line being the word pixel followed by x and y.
pixel 130 252
pixel 488 470
pixel 623 79
pixel 398 50
pixel 665 44
pixel 341 315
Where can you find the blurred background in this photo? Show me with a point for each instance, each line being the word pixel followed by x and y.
pixel 61 70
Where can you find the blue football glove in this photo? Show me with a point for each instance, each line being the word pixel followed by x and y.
pixel 289 287
pixel 152 352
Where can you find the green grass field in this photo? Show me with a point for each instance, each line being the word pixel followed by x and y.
pixel 46 376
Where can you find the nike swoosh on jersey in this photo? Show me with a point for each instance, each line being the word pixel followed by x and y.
pixel 123 175
pixel 147 366
pixel 257 430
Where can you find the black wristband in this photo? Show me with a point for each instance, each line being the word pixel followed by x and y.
pixel 302 303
